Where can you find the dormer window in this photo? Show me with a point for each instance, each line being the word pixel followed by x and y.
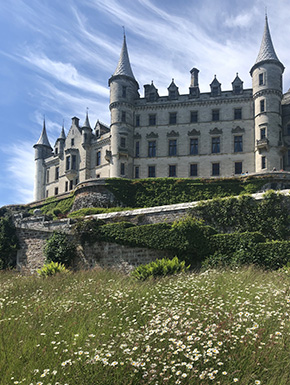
pixel 72 142
pixel 56 150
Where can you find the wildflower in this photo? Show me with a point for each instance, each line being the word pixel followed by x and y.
pixel 257 382
pixel 224 373
pixel 236 379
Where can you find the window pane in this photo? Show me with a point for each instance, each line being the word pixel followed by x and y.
pixel 215 115
pixel 172 170
pixel 172 147
pixel 238 167
pixel 238 146
pixel 193 169
pixel 193 146
pixel 215 169
pixel 215 145
pixel 151 171
pixel 172 118
pixel 151 148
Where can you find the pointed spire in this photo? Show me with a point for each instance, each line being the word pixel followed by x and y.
pixel 87 122
pixel 62 133
pixel 124 66
pixel 43 140
pixel 267 51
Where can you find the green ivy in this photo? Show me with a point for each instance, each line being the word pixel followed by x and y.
pixel 160 268
pixel 59 248
pixel 8 243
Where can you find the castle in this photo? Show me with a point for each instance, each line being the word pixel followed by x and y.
pixel 209 134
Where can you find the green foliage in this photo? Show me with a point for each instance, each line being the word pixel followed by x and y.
pixel 95 210
pixel 230 243
pixel 56 207
pixel 8 243
pixel 59 248
pixel 160 268
pixel 51 268
pixel 269 216
pixel 164 191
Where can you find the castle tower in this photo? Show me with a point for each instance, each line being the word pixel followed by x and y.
pixel 43 150
pixel 267 94
pixel 123 93
pixel 59 144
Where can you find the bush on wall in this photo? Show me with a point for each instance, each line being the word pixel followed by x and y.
pixel 8 243
pixel 59 248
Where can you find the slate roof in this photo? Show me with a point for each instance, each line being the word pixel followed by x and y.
pixel 43 140
pixel 124 66
pixel 267 51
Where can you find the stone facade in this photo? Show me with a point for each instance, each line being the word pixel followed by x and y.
pixel 200 134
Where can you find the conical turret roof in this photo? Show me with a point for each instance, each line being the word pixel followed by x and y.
pixel 87 122
pixel 124 66
pixel 43 140
pixel 62 134
pixel 267 51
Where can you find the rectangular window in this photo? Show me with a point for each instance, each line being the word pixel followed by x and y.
pixel 262 105
pixel 263 162
pixel 137 120
pixel 172 150
pixel 136 172
pixel 56 151
pixel 151 172
pixel 263 133
pixel 238 113
pixel 56 173
pixel 215 90
pixel 46 193
pixel 66 186
pixel 77 181
pixel 238 168
pixel 56 191
pixel 98 158
pixel 215 169
pixel 193 146
pixel 237 89
pixel 261 79
pixel 215 115
pixel 215 145
pixel 152 120
pixel 151 148
pixel 123 142
pixel 72 142
pixel 123 117
pixel 172 170
pixel 67 163
pixel 73 162
pixel 193 169
pixel 238 143
pixel 122 168
pixel 71 184
pixel 124 91
pixel 137 149
pixel 172 118
pixel 193 117
pixel 47 176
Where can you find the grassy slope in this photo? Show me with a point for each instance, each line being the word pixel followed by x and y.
pixel 100 327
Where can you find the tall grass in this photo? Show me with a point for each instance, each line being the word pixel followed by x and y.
pixel 102 327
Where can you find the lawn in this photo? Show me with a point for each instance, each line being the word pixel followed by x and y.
pixel 103 327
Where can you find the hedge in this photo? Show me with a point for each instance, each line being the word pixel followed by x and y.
pixel 228 244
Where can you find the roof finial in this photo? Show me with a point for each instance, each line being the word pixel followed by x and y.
pixel 266 12
pixel 124 32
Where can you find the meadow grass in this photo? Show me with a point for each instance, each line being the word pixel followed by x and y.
pixel 103 327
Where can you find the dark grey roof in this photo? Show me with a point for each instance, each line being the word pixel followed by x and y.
pixel 43 140
pixel 267 51
pixel 87 122
pixel 124 66
pixel 62 133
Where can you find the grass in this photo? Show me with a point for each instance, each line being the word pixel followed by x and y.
pixel 102 327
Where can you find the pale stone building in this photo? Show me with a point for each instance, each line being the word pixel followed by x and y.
pixel 199 134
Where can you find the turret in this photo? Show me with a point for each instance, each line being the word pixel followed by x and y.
pixel 267 93
pixel 123 93
pixel 86 131
pixel 43 150
pixel 59 144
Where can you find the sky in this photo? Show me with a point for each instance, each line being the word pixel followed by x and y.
pixel 56 58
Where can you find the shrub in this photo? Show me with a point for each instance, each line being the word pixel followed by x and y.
pixel 160 268
pixel 55 207
pixel 51 268
pixel 59 249
pixel 8 243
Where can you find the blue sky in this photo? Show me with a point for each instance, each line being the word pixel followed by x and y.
pixel 57 56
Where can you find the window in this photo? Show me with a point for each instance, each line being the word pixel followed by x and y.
pixel 47 176
pixel 77 181
pixel 152 120
pixel 215 169
pixel 71 184
pixel 136 172
pixel 137 120
pixel 46 193
pixel 238 167
pixel 262 105
pixel 215 115
pixel 238 144
pixel 237 89
pixel 123 142
pixel 72 142
pixel 67 163
pixel 56 173
pixel 152 148
pixel 123 117
pixel 193 169
pixel 193 117
pixel 66 186
pixel 56 191
pixel 56 150
pixel 172 151
pixel 193 146
pixel 98 158
pixel 263 162
pixel 261 79
pixel 215 145
pixel 124 91
pixel 137 149
pixel 97 133
pixel 172 170
pixel 122 170
pixel 172 118
pixel 172 94
pixel 263 133
pixel 238 113
pixel 73 162
pixel 215 90
pixel 151 172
